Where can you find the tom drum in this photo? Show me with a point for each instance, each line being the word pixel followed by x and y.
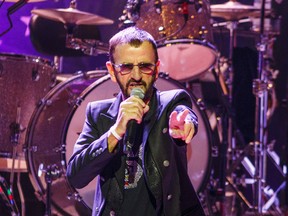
pixel 183 33
pixel 24 81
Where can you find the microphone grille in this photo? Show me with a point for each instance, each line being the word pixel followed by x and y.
pixel 137 92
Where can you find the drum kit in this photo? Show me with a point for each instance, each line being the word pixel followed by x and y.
pixel 40 125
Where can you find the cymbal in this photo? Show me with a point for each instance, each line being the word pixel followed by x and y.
pixel 72 16
pixel 233 10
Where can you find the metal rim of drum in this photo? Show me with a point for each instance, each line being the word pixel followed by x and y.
pixel 66 131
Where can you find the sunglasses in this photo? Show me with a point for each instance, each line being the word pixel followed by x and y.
pixel 126 68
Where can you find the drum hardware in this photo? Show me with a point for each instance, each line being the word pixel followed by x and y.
pixel 87 46
pixel 130 14
pixel 233 11
pixel 237 12
pixel 225 93
pixel 15 132
pixel 271 26
pixel 226 150
pixel 14 138
pixel 52 172
pixel 65 39
pixel 72 16
pixel 227 23
pixel 261 86
pixel 74 32
pixel 58 63
pixel 7 196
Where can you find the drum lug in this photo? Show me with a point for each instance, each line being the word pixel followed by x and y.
pixel 43 101
pixel 74 195
pixel 31 149
pixel 78 101
pixel 61 149
pixel 214 151
pixel 203 31
pixel 164 75
pixel 201 104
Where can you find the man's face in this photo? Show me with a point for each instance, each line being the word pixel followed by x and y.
pixel 127 54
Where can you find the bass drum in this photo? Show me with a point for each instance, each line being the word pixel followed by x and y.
pixel 58 125
pixel 46 143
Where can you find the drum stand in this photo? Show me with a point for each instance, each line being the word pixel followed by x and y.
pixel 52 172
pixel 15 129
pixel 261 85
pixel 231 135
pixel 227 148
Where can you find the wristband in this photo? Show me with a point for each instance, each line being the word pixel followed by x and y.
pixel 115 134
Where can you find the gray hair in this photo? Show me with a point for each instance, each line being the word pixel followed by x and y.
pixel 132 36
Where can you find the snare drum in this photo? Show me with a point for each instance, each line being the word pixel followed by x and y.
pixel 59 121
pixel 183 34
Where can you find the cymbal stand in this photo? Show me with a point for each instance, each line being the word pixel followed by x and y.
pixel 260 90
pixel 231 133
pixel 231 26
pixel 227 147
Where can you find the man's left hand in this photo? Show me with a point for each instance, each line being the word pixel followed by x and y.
pixel 180 127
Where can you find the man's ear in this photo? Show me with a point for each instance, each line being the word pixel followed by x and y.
pixel 157 69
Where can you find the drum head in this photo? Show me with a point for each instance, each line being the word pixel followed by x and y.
pixel 63 121
pixel 186 59
pixel 47 146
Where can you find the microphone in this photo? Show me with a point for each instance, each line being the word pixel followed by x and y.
pixel 131 132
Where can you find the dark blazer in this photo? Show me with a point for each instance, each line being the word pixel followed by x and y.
pixel 164 164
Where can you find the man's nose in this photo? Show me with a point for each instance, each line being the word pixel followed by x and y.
pixel 136 73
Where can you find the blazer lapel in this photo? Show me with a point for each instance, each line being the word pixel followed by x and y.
pixel 112 116
pixel 157 107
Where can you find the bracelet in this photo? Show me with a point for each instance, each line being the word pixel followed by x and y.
pixel 115 134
